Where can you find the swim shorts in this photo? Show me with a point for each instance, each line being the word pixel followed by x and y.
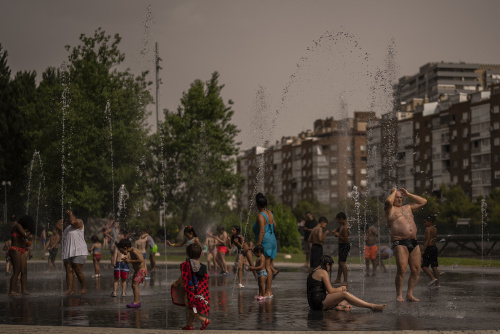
pixel 371 252
pixel 121 270
pixel 430 257
pixel 344 249
pixel 140 275
pixel 222 249
pixel 262 273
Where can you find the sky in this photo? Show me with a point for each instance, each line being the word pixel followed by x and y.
pixel 284 63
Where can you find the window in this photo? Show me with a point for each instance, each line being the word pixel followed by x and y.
pixel 427 138
pixel 496 109
pixel 466 146
pixel 465 116
pixel 453 148
pixel 496 125
pixel 466 178
pixel 363 170
pixel 496 141
pixel 417 126
pixel 465 132
pixel 362 147
pixel 465 163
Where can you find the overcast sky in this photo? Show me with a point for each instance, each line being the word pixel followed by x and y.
pixel 284 63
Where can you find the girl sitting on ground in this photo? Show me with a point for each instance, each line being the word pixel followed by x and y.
pixel 322 296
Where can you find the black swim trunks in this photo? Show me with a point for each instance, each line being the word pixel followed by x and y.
pixel 316 254
pixel 411 244
pixel 344 249
pixel 430 257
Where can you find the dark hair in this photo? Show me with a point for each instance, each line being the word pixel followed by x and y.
pixel 193 251
pixel 322 219
pixel 124 243
pixel 190 229
pixel 94 238
pixel 27 223
pixel 220 228
pixel 237 228
pixel 325 259
pixel 308 213
pixel 258 249
pixel 261 201
pixel 431 218
pixel 341 215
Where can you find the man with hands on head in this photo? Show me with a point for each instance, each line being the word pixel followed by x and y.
pixel 403 233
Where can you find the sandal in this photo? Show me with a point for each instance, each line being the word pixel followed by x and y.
pixel 205 324
pixel 188 327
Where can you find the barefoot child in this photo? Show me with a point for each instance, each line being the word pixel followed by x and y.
pixel 139 264
pixel 316 240
pixel 121 271
pixel 430 252
pixel 95 250
pixel 342 233
pixel 189 238
pixel 260 270
pixel 371 250
pixel 52 245
pixel 238 241
pixel 194 279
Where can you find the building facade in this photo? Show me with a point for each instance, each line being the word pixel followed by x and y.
pixel 323 164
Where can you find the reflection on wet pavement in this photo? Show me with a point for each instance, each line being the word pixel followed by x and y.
pixel 468 299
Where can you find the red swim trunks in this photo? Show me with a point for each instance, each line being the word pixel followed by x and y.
pixel 140 275
pixel 97 257
pixel 371 252
pixel 222 249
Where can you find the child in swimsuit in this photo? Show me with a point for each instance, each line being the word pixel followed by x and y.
pixel 139 264
pixel 260 270
pixel 95 250
pixel 194 279
pixel 121 271
pixel 189 238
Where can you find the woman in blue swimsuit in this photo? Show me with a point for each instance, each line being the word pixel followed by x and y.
pixel 264 231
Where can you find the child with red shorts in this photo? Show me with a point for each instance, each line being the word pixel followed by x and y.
pixel 371 250
pixel 121 271
pixel 139 263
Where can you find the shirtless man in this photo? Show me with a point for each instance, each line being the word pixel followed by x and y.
pixel 403 232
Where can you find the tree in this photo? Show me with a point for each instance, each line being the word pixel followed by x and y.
pixel 197 152
pixel 17 97
pixel 93 128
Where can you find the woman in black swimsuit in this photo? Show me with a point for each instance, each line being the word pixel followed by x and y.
pixel 322 296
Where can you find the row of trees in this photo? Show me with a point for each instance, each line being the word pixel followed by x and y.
pixel 71 139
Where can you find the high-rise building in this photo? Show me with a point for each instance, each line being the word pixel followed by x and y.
pixel 323 164
pixel 435 80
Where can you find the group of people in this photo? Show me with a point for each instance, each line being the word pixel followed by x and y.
pixel 321 294
pixel 405 248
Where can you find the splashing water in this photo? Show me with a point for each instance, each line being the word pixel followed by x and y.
pixel 123 196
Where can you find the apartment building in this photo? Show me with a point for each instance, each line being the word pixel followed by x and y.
pixel 323 164
pixel 435 80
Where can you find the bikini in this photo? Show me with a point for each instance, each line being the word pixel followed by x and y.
pixel 19 249
pixel 411 244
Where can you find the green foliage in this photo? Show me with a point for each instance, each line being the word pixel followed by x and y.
pixel 197 147
pixel 286 228
pixel 90 124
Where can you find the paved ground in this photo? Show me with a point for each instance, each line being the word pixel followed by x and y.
pixel 95 330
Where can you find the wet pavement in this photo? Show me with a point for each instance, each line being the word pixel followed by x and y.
pixel 467 301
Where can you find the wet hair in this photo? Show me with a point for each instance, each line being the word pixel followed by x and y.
pixel 326 259
pixel 431 218
pixel 124 243
pixel 341 215
pixel 27 223
pixel 220 228
pixel 193 251
pixel 261 201
pixel 258 249
pixel 94 238
pixel 190 229
pixel 237 228
pixel 308 213
pixel 322 219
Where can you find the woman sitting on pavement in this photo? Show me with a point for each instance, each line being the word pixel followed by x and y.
pixel 322 296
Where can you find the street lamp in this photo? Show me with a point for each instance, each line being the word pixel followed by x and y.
pixel 4 185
